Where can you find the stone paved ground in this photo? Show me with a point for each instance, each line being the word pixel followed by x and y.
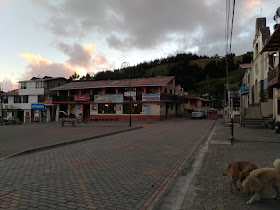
pixel 15 139
pixel 123 171
pixel 209 189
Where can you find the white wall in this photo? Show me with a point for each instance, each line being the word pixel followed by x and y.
pixel 11 102
pixel 153 107
pixel 31 91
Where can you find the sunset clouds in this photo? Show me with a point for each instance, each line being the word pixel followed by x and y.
pixel 82 60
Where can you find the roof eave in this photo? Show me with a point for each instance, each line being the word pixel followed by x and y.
pixel 266 46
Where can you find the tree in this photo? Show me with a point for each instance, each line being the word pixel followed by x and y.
pixel 88 77
pixel 247 58
pixel 276 17
pixel 73 77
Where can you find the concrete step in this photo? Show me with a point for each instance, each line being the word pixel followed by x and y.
pixel 256 122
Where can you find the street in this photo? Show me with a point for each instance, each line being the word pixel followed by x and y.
pixel 129 170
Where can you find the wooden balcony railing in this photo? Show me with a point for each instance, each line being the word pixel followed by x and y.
pixel 273 77
pixel 63 98
pixel 163 97
pixel 170 97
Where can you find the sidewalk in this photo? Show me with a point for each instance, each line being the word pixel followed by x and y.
pixel 204 187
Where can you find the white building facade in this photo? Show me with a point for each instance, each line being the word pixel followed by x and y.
pixel 35 91
pixel 260 93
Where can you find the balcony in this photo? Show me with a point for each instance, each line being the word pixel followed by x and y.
pixel 163 97
pixel 244 89
pixel 63 98
pixel 273 79
pixel 172 98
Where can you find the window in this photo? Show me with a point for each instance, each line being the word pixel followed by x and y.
pixel 54 84
pixel 126 109
pixel 150 90
pixel 107 108
pixel 135 108
pixel 41 99
pixel 24 99
pixel 5 99
pixel 23 85
pixel 40 84
pixel 17 99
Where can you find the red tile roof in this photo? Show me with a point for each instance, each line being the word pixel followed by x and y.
pixel 190 96
pixel 11 93
pixel 139 82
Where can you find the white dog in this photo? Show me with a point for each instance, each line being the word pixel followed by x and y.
pixel 261 178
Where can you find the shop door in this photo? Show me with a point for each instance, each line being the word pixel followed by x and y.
pixel 20 115
pixel 32 115
pixel 86 113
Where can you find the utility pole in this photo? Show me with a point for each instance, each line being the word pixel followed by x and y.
pixel 1 98
pixel 228 92
pixel 126 65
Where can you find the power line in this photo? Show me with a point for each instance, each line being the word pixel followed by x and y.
pixel 232 24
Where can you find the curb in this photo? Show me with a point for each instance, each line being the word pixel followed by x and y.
pixel 33 150
pixel 154 199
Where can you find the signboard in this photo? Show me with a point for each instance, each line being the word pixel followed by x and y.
pixel 9 107
pixel 82 98
pixel 277 93
pixel 93 109
pixel 48 100
pixel 37 106
pixel 108 98
pixel 151 97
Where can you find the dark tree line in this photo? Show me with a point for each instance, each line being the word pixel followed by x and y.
pixel 191 77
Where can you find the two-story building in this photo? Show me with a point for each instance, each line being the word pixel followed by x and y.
pixel 12 105
pixel 259 92
pixel 272 47
pixel 33 94
pixel 154 98
pixel 245 87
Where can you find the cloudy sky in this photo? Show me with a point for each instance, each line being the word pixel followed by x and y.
pixel 59 37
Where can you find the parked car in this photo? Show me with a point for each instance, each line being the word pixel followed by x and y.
pixel 199 113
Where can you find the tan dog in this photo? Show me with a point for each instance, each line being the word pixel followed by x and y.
pixel 238 170
pixel 261 178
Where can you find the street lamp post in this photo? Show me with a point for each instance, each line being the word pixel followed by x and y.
pixel 129 98
pixel 126 65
